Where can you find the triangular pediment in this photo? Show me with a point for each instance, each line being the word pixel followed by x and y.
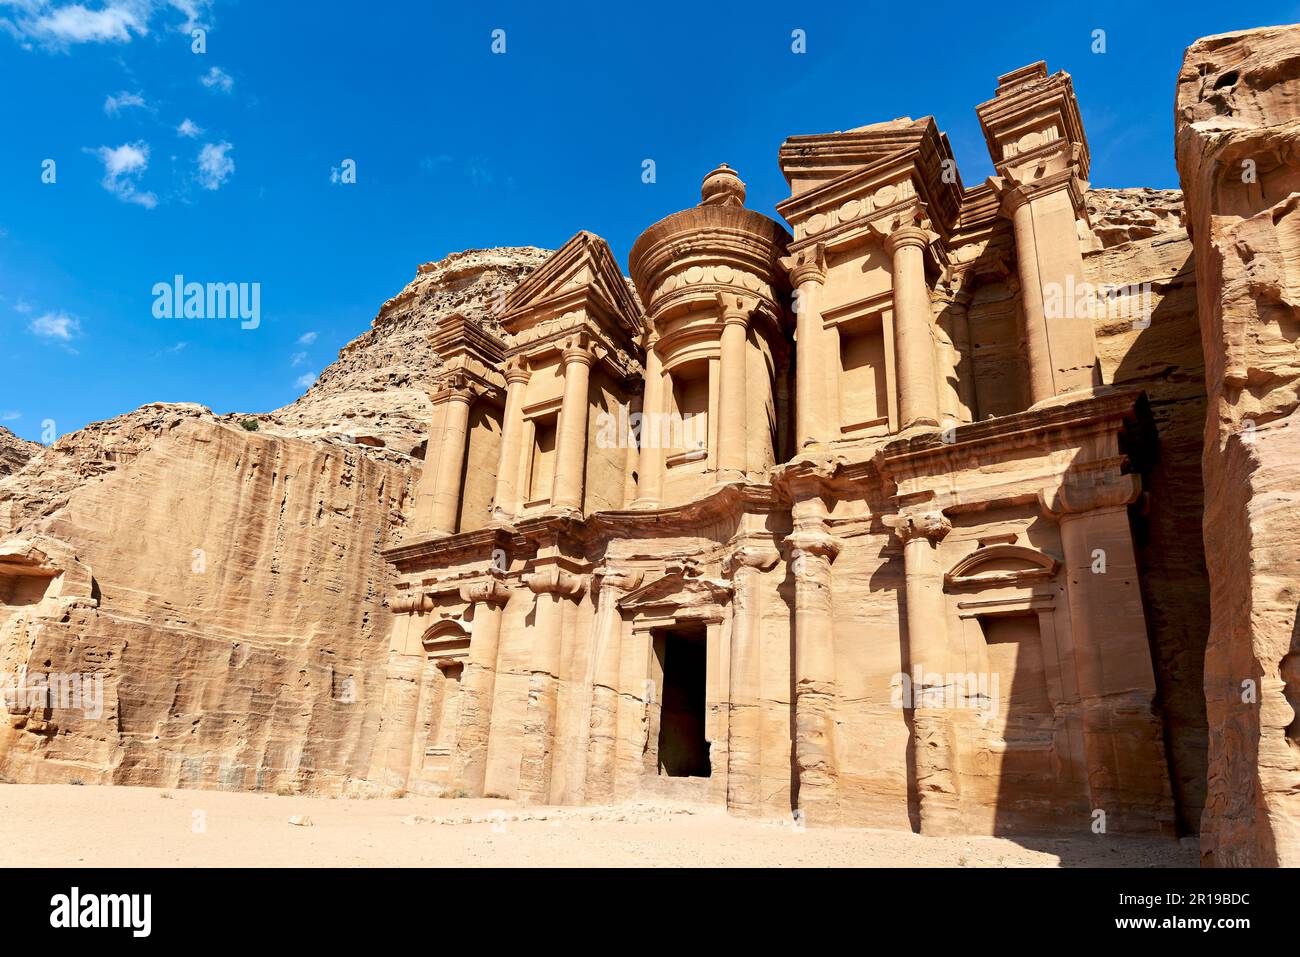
pixel 582 271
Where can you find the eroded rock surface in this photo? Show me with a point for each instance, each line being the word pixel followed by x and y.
pixel 14 452
pixel 223 573
pixel 1238 144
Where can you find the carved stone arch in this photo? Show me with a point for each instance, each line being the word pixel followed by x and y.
pixel 1001 565
pixel 446 640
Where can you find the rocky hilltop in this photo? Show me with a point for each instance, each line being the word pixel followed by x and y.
pixel 14 452
pixel 376 392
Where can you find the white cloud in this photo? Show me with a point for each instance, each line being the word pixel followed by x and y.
pixel 307 338
pixel 56 325
pixel 194 11
pixel 115 104
pixel 298 359
pixel 57 25
pixel 189 129
pixel 9 415
pixel 23 306
pixel 218 79
pixel 215 167
pixel 122 168
pixel 306 380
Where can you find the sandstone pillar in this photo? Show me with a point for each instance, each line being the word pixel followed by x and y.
pixel 1059 338
pixel 451 461
pixel 928 656
pixel 812 551
pixel 552 587
pixel 816 374
pixel 606 653
pixel 505 501
pixel 651 479
pixel 571 434
pixel 1036 139
pixel 1127 776
pixel 733 428
pixel 478 684
pixel 913 340
pixel 745 724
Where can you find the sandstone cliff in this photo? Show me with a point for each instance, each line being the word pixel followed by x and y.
pixel 1238 148
pixel 226 581
pixel 1140 243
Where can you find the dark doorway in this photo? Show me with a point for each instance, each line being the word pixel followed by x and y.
pixel 683 750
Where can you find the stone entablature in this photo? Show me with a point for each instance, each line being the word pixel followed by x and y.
pixel 838 528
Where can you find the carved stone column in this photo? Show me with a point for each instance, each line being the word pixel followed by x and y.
pixel 571 437
pixel 745 724
pixel 478 684
pixel 929 657
pixel 732 426
pixel 1123 736
pixel 651 479
pixel 1036 139
pixel 816 374
pixel 450 477
pixel 811 552
pixel 505 502
pixel 1059 337
pixel 913 340
pixel 602 747
pixel 552 586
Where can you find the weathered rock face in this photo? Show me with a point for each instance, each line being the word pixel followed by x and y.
pixel 1119 216
pixel 1238 145
pixel 14 452
pixel 225 583
pixel 231 613
pixel 1159 352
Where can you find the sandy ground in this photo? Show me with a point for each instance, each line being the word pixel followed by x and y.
pixel 67 825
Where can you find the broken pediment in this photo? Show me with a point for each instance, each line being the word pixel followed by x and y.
pixel 841 180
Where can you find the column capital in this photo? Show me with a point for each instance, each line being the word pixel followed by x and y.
pixel 517 371
pixel 759 557
pixel 489 591
pixel 929 524
pixel 1013 193
pixel 735 308
pixel 1078 496
pixel 578 349
pixel 814 542
pixel 455 387
pixel 907 236
pixel 556 581
pixel 910 227
pixel 622 581
pixel 806 265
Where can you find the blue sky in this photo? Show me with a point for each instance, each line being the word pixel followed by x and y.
pixel 455 147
